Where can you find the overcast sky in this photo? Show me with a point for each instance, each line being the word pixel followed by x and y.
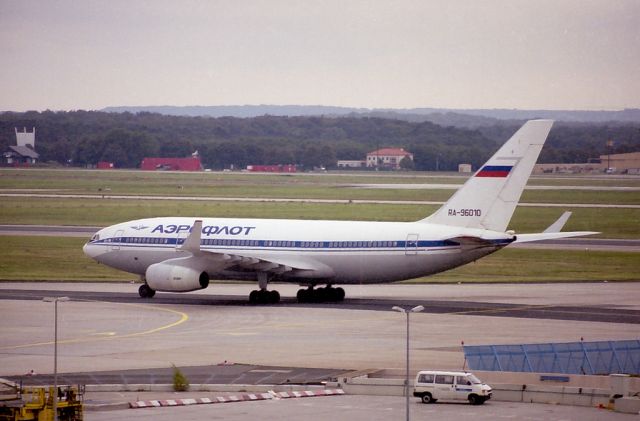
pixel 527 54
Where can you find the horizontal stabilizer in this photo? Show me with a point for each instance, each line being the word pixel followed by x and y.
pixel 541 236
pixel 553 232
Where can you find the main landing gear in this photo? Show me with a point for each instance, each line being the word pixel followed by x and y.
pixel 320 295
pixel 262 296
pixel 145 291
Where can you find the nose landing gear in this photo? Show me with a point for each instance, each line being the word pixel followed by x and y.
pixel 262 296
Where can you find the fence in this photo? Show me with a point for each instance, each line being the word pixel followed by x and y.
pixel 605 357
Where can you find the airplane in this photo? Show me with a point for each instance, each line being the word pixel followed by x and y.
pixel 181 254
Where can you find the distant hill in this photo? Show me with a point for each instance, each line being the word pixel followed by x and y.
pixel 468 118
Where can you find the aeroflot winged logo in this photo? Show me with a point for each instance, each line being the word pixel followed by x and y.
pixel 499 171
pixel 139 227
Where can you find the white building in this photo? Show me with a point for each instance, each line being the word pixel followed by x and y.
pixel 387 158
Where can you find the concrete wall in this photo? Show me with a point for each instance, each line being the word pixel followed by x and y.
pixel 510 387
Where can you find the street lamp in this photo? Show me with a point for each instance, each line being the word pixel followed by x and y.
pixel 55 352
pixel 415 309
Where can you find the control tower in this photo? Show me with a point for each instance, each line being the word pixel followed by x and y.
pixel 25 138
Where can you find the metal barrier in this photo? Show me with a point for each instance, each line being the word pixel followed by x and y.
pixel 604 357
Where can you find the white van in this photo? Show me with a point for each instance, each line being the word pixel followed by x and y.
pixel 450 385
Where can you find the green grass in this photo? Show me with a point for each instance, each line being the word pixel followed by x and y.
pixel 101 212
pixel 319 186
pixel 520 265
pixel 49 258
pixel 612 222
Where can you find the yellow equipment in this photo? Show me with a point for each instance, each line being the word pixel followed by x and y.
pixel 36 403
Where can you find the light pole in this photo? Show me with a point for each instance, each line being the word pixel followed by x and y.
pixel 415 309
pixel 55 352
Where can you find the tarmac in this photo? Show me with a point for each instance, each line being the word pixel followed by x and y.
pixel 105 327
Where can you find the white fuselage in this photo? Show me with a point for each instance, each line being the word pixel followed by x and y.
pixel 339 252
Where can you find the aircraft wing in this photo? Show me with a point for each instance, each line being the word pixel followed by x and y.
pixel 248 260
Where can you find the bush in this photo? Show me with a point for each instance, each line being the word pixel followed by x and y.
pixel 180 382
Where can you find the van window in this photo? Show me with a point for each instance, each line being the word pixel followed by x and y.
pixel 425 378
pixel 474 379
pixel 444 379
pixel 463 381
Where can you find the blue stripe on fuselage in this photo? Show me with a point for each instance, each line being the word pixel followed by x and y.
pixel 166 242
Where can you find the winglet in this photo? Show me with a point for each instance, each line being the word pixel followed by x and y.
pixel 192 242
pixel 557 226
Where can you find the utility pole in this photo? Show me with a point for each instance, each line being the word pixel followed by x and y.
pixel 415 309
pixel 55 352
pixel 609 147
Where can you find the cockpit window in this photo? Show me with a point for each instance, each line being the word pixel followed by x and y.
pixel 95 237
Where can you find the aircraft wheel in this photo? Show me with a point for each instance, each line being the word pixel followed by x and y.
pixel 308 295
pixel 145 291
pixel 339 294
pixel 322 295
pixel 301 296
pixel 274 296
pixel 254 296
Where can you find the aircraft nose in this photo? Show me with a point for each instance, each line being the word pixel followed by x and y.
pixel 89 250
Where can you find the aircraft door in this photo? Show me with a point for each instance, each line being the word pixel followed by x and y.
pixel 411 245
pixel 116 240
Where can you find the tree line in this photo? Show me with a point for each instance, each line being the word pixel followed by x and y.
pixel 81 138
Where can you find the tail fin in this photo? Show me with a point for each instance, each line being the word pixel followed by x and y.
pixel 488 199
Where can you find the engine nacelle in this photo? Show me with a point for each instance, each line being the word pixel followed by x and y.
pixel 169 277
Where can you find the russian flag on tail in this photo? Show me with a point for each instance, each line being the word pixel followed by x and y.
pixel 499 171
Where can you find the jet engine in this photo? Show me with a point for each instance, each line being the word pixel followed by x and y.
pixel 174 278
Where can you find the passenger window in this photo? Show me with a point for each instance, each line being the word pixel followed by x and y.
pixel 462 380
pixel 444 379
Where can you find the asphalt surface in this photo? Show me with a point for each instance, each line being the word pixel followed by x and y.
pixel 227 374
pixel 362 408
pixel 469 308
pixel 107 327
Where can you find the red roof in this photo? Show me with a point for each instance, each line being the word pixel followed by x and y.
pixel 390 152
pixel 172 164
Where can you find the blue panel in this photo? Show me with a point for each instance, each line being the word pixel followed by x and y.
pixel 604 357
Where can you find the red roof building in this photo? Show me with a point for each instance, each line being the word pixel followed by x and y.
pixel 105 165
pixel 387 158
pixel 171 164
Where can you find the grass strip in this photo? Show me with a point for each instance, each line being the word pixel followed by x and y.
pixel 612 222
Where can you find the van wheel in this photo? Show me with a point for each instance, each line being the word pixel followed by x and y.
pixel 475 400
pixel 427 398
